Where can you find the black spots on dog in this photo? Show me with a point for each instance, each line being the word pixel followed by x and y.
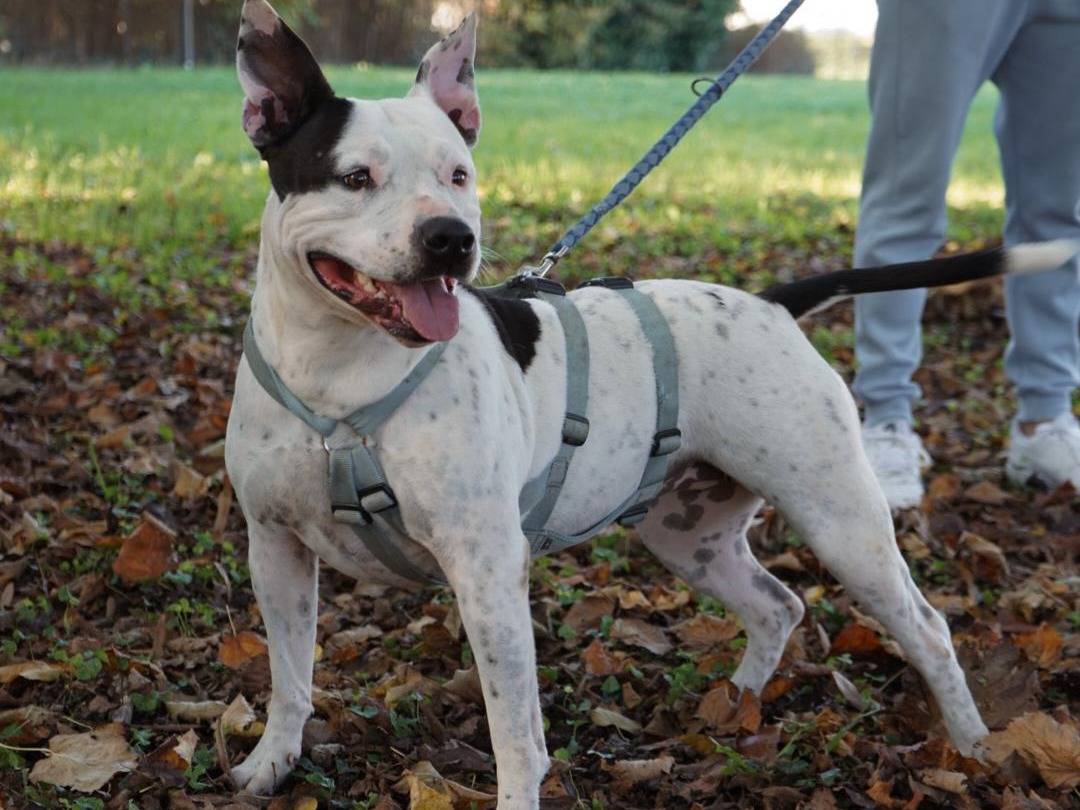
pixel 468 133
pixel 721 330
pixel 304 162
pixel 304 606
pixel 515 322
pixel 927 612
pixel 423 71
pixel 766 584
pixel 834 414
pixel 686 520
pixel 704 555
pixel 267 435
pixel 465 74
pixel 718 301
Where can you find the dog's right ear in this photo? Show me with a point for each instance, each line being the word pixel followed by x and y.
pixel 283 84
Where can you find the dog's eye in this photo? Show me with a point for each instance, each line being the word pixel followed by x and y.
pixel 361 178
pixel 459 177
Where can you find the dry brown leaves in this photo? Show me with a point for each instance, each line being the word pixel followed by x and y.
pixel 85 762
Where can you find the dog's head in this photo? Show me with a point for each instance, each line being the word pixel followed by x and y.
pixel 374 202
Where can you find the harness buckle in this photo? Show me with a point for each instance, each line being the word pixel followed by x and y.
pixel 666 442
pixel 631 517
pixel 575 430
pixel 370 501
pixel 376 499
pixel 347 513
pixel 610 282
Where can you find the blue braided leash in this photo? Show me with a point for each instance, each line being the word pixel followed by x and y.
pixel 632 179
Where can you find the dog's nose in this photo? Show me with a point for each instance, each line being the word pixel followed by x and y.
pixel 447 238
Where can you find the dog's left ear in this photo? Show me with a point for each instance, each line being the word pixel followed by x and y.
pixel 283 84
pixel 446 76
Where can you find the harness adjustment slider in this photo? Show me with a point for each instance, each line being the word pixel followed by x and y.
pixel 610 282
pixel 575 430
pixel 666 442
pixel 377 499
pixel 632 517
pixel 541 284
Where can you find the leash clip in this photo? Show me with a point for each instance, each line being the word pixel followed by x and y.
pixel 551 258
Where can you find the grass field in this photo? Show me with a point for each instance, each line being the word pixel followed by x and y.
pixel 129 211
pixel 156 161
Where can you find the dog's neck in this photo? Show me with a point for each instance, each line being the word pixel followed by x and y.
pixel 333 364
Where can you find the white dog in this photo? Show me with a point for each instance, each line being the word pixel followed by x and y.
pixel 368 240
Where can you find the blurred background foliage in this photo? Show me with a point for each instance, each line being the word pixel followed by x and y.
pixel 653 35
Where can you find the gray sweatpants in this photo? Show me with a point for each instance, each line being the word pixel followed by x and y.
pixel 929 59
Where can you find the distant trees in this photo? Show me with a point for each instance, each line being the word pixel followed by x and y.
pixel 655 35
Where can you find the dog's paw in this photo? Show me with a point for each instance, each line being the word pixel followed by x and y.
pixel 264 770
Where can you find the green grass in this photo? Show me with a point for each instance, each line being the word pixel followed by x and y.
pixel 152 164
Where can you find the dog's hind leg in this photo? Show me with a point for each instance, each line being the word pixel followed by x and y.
pixel 854 539
pixel 697 529
pixel 284 573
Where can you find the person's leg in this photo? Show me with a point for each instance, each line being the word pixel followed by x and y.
pixel 928 61
pixel 1038 129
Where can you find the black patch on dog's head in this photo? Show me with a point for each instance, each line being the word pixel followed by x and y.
pixel 517 325
pixel 305 161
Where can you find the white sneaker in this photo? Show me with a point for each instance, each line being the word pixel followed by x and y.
pixel 1050 456
pixel 898 457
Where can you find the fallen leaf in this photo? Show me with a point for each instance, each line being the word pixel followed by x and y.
pixel 629 772
pixel 704 631
pixel 170 760
pixel 986 559
pixel 586 613
pixel 237 650
pixel 348 644
pixel 1043 646
pixel 146 553
pixel 195 710
pixel 85 762
pixel 188 483
pixel 726 710
pixel 949 781
pixel 609 717
pixel 31 671
pixel 1052 747
pixel 26 724
pixel 987 492
pixel 639 633
pixel 855 638
pixel 429 790
pixel 849 691
pixel 598 661
pixel 239 719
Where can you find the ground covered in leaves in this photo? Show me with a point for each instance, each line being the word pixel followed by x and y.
pixel 132 649
pixel 130 644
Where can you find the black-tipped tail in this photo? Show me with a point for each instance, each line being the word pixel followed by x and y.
pixel 808 294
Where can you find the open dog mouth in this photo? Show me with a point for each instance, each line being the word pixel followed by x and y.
pixel 421 311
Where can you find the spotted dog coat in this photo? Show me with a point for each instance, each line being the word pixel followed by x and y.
pixel 345 293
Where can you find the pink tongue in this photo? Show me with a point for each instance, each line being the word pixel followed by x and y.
pixel 429 308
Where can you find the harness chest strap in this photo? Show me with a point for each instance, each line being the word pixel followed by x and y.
pixel 362 497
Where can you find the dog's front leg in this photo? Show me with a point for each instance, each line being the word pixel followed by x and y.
pixel 490 577
pixel 284 573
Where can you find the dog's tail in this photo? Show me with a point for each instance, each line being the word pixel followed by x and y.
pixel 820 292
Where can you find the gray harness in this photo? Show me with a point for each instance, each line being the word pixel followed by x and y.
pixel 361 496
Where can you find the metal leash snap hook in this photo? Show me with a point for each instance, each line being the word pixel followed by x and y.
pixel 551 258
